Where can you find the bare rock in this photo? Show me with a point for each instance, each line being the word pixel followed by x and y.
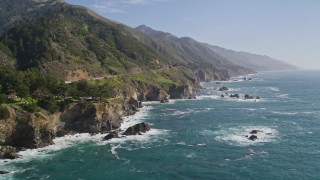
pixel 136 129
pixel 223 88
pixel 253 137
pixel 111 136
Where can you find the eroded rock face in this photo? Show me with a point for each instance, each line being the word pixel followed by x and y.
pixel 28 130
pixel 181 92
pixel 137 129
pixel 155 94
pixel 95 118
pixel 8 152
pixel 202 75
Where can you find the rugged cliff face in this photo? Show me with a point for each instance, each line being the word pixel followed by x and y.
pixel 33 130
pixel 95 117
pixel 28 130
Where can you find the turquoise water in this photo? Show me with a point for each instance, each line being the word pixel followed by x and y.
pixel 201 139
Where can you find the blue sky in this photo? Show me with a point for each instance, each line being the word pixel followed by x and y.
pixel 288 30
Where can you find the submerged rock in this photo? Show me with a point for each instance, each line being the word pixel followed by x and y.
pixel 164 100
pixel 253 137
pixel 222 95
pixel 247 96
pixel 111 136
pixel 235 96
pixel 223 88
pixel 136 129
pixel 4 172
pixel 254 131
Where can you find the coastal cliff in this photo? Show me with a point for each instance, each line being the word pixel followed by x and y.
pixel 22 129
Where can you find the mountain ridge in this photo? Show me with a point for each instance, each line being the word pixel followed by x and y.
pixel 245 59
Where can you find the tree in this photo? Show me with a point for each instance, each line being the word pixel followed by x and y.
pixel 49 103
pixel 3 99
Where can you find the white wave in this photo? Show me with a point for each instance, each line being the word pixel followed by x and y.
pixel 201 144
pixel 283 96
pixel 216 97
pixel 238 136
pixel 72 140
pixel 246 109
pixel 285 113
pixel 274 89
pixel 191 155
pixel 138 117
pixel 153 133
pixel 252 154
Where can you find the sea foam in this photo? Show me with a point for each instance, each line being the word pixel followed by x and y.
pixel 238 136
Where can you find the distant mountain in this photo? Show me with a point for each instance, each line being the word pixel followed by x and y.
pixel 200 52
pixel 186 49
pixel 253 61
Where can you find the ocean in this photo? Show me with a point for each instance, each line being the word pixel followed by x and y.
pixel 205 138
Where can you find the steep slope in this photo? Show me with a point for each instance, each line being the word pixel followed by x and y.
pixel 186 48
pixel 253 61
pixel 70 41
pixel 220 57
pixel 6 58
pixel 13 12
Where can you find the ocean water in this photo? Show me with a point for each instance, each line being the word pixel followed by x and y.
pixel 200 139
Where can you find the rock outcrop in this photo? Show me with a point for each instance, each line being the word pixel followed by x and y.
pixel 111 135
pixel 28 130
pixel 253 137
pixel 247 96
pixel 234 96
pixel 223 88
pixel 254 131
pixel 182 92
pixel 137 129
pixel 96 118
pixel 4 172
pixel 8 152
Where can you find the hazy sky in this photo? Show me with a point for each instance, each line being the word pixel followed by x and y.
pixel 288 30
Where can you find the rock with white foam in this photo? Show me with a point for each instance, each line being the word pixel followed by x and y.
pixel 111 135
pixel 223 88
pixel 253 137
pixel 137 129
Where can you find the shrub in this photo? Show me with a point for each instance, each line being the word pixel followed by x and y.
pixel 3 98
pixel 4 113
pixel 31 107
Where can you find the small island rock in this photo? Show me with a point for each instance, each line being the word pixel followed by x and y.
pixel 253 137
pixel 111 135
pixel 136 129
pixel 235 96
pixel 223 88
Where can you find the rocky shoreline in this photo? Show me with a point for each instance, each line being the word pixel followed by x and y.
pixel 23 130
